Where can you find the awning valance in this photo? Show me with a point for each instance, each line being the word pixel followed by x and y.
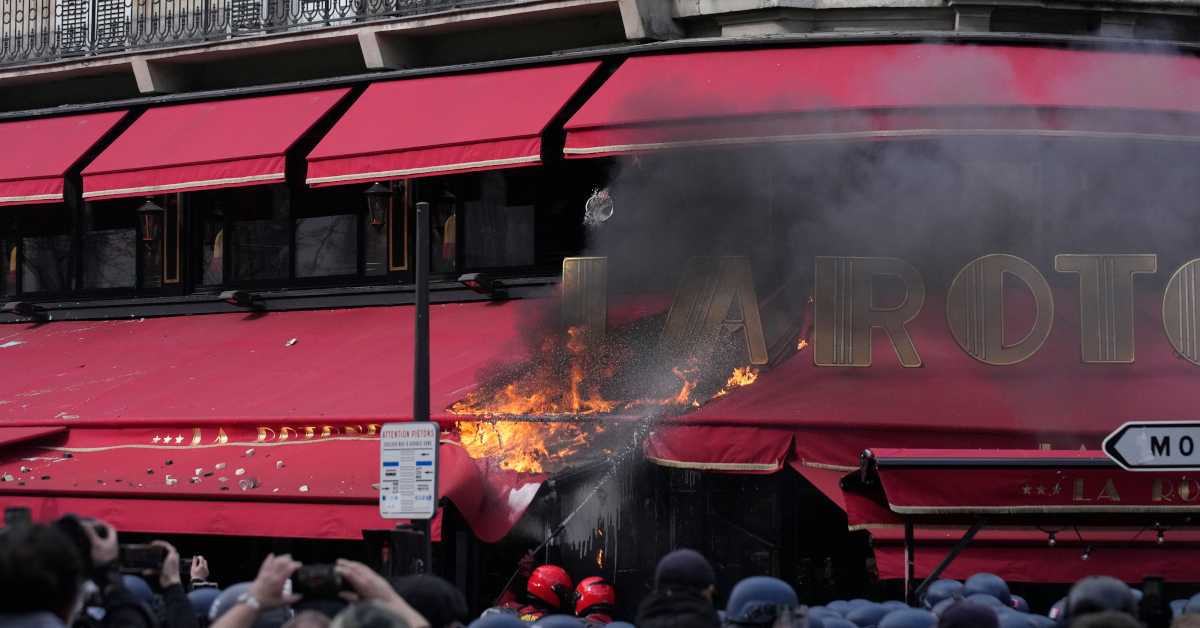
pixel 445 124
pixel 206 145
pixel 42 150
pixel 209 418
pixel 868 91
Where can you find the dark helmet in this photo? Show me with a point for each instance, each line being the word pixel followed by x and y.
pixel 550 584
pixel 594 595
pixel 228 598
pixel 559 621
pixel 867 615
pixel 990 584
pixel 138 588
pixel 909 618
pixel 1016 620
pixel 968 614
pixel 1177 606
pixel 941 607
pixel 202 599
pixel 837 622
pixel 1192 606
pixel 985 599
pixel 839 606
pixel 498 620
pixel 1041 621
pixel 756 600
pixel 1019 603
pixel 1096 594
pixel 894 605
pixel 943 589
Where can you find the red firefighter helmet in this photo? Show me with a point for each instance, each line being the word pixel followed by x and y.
pixel 594 595
pixel 551 585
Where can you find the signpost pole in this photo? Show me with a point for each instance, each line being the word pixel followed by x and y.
pixel 421 351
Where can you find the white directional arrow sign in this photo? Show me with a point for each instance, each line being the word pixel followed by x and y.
pixel 1156 446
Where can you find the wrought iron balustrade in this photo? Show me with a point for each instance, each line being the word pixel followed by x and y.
pixel 44 30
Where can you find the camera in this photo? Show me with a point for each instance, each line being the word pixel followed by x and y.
pixel 141 558
pixel 318 581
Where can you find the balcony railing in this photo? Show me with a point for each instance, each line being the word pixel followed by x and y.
pixel 45 30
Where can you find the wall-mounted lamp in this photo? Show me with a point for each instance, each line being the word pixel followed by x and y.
pixel 151 215
pixel 379 197
pixel 485 284
pixel 25 309
pixel 242 298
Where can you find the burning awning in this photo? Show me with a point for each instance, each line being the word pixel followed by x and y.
pixel 445 124
pixel 209 418
pixel 49 147
pixel 206 145
pixel 1024 509
pixel 870 91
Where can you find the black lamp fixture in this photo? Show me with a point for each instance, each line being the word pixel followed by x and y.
pixel 379 196
pixel 151 215
pixel 25 309
pixel 483 283
pixel 243 298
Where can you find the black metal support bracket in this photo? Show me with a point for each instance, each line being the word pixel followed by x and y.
pixel 954 552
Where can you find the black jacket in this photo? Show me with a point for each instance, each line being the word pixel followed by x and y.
pixel 676 608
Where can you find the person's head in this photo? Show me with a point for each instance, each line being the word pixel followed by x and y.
pixel 1106 619
pixel 866 614
pixel 967 614
pixel 498 620
pixel 202 600
pixel 435 599
pixel 138 588
pixel 685 569
pixel 549 586
pixel 758 600
pixel 1097 594
pixel 308 619
pixel 988 584
pixel 1192 605
pixel 40 570
pixel 368 615
pixel 558 621
pixel 228 599
pixel 595 595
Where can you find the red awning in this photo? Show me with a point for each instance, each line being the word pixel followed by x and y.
pixel 49 147
pixel 445 124
pixel 206 145
pixel 1026 556
pixel 188 412
pixel 726 449
pixel 15 435
pixel 1011 487
pixel 665 101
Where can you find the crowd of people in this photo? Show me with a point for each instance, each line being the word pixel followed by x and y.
pixel 74 573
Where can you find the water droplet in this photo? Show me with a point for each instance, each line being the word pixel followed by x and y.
pixel 274 490
pixel 239 471
pixel 219 466
pixel 291 342
pixel 303 488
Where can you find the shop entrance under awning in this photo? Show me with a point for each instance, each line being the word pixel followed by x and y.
pixel 261 424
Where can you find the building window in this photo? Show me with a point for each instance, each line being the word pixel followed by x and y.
pixel 44 250
pixel 261 245
pixel 327 232
pixel 110 234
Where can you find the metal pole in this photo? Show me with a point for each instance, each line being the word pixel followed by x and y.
pixel 421 350
pixel 909 562
pixel 954 552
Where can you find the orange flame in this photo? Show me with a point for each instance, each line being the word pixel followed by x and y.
pixel 741 376
pixel 522 446
pixel 802 345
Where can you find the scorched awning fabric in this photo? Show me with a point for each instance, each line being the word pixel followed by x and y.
pixel 728 97
pixel 248 424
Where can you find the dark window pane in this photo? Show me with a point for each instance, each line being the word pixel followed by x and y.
pixel 443 237
pixel 327 245
pixel 110 244
pixel 46 264
pixel 8 266
pixel 377 248
pixel 261 237
pixel 499 226
pixel 212 247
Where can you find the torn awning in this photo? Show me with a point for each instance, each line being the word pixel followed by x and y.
pixel 206 145
pixel 208 418
pixel 49 147
pixel 445 124
pixel 868 91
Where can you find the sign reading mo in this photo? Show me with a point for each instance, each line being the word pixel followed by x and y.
pixel 846 310
pixel 1156 446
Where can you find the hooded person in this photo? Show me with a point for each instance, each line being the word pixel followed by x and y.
pixel 595 601
pixel 943 589
pixel 968 614
pixel 684 585
pixel 1098 594
pixel 988 584
pixel 548 592
pixel 435 599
